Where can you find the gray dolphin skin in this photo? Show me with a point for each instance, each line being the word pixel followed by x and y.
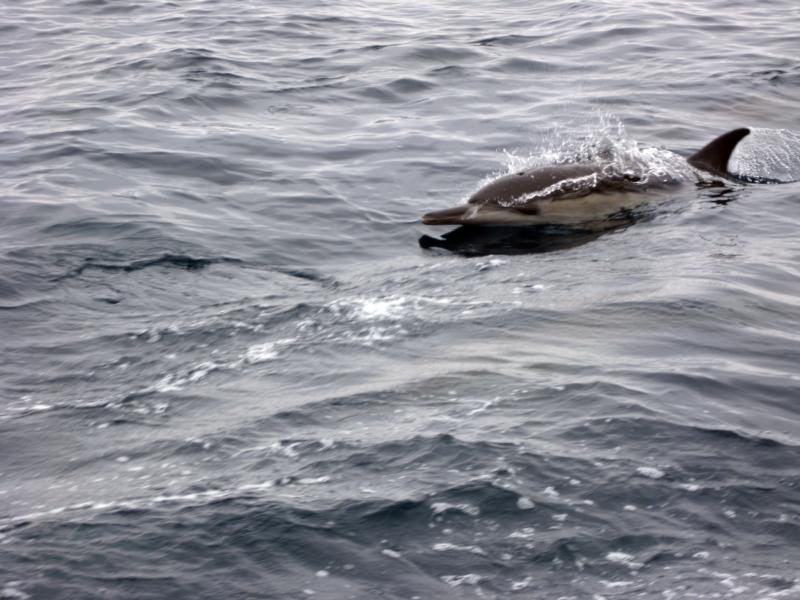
pixel 574 194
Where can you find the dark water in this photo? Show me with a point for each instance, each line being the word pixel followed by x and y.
pixel 230 371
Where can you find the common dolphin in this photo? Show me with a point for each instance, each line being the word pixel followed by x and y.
pixel 580 194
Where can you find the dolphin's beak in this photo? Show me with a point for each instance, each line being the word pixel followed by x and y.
pixel 448 216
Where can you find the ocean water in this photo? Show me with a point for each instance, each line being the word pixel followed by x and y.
pixel 231 369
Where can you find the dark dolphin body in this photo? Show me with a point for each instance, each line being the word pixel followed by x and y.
pixel 476 240
pixel 574 195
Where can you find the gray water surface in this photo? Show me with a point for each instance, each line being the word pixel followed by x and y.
pixel 229 370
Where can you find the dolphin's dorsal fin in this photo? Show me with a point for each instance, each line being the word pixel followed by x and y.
pixel 714 156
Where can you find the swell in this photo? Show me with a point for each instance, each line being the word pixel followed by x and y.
pixel 472 535
pixel 180 261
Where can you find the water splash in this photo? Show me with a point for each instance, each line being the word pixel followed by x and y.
pixel 602 140
pixel 772 154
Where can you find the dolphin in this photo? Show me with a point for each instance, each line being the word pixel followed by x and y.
pixel 579 194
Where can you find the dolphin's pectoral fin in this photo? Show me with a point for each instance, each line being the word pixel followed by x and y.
pixel 714 156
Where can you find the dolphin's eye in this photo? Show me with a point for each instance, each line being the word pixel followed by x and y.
pixel 521 173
